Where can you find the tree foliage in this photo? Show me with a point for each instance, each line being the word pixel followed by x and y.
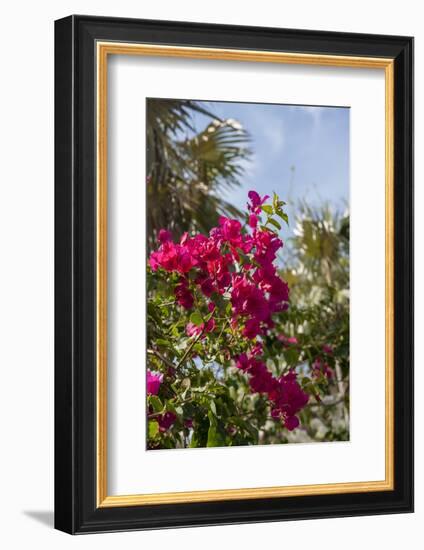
pixel 188 171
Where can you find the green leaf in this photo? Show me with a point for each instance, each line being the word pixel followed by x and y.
pixel 196 318
pixel 153 429
pixel 268 209
pixel 163 343
pixel 194 441
pixel 216 433
pixel 212 407
pixel 274 223
pixel 156 403
pixel 169 406
pixel 291 355
pixel 283 216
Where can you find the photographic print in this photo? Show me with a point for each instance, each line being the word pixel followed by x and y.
pixel 247 274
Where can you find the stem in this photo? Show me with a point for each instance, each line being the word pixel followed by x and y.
pixel 161 357
pixel 224 326
pixel 184 357
pixel 322 404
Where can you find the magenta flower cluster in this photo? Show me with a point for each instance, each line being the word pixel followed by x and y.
pixel 153 382
pixel 286 396
pixel 256 291
pixel 238 265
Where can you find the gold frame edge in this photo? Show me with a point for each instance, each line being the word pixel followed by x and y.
pixel 103 49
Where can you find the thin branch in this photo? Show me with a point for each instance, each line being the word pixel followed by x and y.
pixel 161 357
pixel 184 357
pixel 323 404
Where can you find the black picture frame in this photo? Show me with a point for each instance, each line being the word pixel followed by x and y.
pixel 76 508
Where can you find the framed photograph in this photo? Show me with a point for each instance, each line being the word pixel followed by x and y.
pixel 234 274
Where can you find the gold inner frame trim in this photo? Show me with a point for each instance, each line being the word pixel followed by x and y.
pixel 103 50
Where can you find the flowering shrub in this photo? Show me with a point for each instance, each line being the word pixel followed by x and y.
pixel 216 302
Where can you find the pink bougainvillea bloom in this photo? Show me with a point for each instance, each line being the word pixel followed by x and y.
pixel 193 330
pixel 256 202
pixel 243 362
pixel 287 340
pixel 290 397
pixel 230 230
pixel 253 221
pixel 275 413
pixel 261 380
pixel 164 236
pixel 320 367
pixel 291 423
pixel 267 245
pixel 210 325
pixel 183 295
pixel 214 264
pixel 153 261
pixel 166 420
pixel 153 382
pixel 257 349
pixel 165 257
pixel 251 329
pixel 327 349
pixel 285 394
pixel 207 287
pixel 248 300
pixel 173 257
pixel 171 372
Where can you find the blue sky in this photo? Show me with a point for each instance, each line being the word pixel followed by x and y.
pixel 300 152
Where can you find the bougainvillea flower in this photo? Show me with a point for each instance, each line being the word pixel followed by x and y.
pixel 257 349
pixel 195 330
pixel 207 287
pixel 243 362
pixel 248 300
pixel 256 202
pixel 321 367
pixel 183 295
pixel 230 230
pixel 172 257
pixel 253 221
pixel 291 423
pixel 238 264
pixel 166 420
pixel 164 236
pixel 153 382
pixel 287 340
pixel 251 329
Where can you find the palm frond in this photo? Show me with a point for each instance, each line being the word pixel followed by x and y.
pixel 186 172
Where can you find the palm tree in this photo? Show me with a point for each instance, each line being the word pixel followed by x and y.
pixel 187 171
pixel 319 252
